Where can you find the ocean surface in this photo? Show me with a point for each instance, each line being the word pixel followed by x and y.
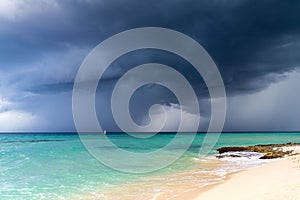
pixel 57 166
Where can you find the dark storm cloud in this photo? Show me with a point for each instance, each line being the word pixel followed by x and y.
pixel 254 43
pixel 247 39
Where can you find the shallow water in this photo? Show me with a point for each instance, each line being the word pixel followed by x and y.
pixel 59 167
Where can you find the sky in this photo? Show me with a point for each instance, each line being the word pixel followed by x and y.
pixel 254 43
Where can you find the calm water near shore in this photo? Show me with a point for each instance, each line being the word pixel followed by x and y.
pixel 53 166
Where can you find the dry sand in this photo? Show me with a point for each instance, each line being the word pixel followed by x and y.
pixel 277 180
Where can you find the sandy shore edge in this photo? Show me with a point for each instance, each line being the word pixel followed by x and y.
pixel 279 179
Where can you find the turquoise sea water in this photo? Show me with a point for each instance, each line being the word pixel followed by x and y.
pixel 57 166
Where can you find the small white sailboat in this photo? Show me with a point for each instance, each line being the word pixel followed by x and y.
pixel 104 132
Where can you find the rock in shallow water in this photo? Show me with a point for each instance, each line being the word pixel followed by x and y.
pixel 270 151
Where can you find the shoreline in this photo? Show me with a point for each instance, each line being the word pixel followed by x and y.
pixel 196 193
pixel 278 179
pixel 234 185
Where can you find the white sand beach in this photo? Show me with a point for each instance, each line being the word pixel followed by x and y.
pixel 277 180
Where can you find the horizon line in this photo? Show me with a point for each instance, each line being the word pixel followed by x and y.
pixel 122 132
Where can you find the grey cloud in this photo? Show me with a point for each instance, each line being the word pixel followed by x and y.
pixel 236 34
pixel 253 42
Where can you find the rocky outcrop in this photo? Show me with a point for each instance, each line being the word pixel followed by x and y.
pixel 269 151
